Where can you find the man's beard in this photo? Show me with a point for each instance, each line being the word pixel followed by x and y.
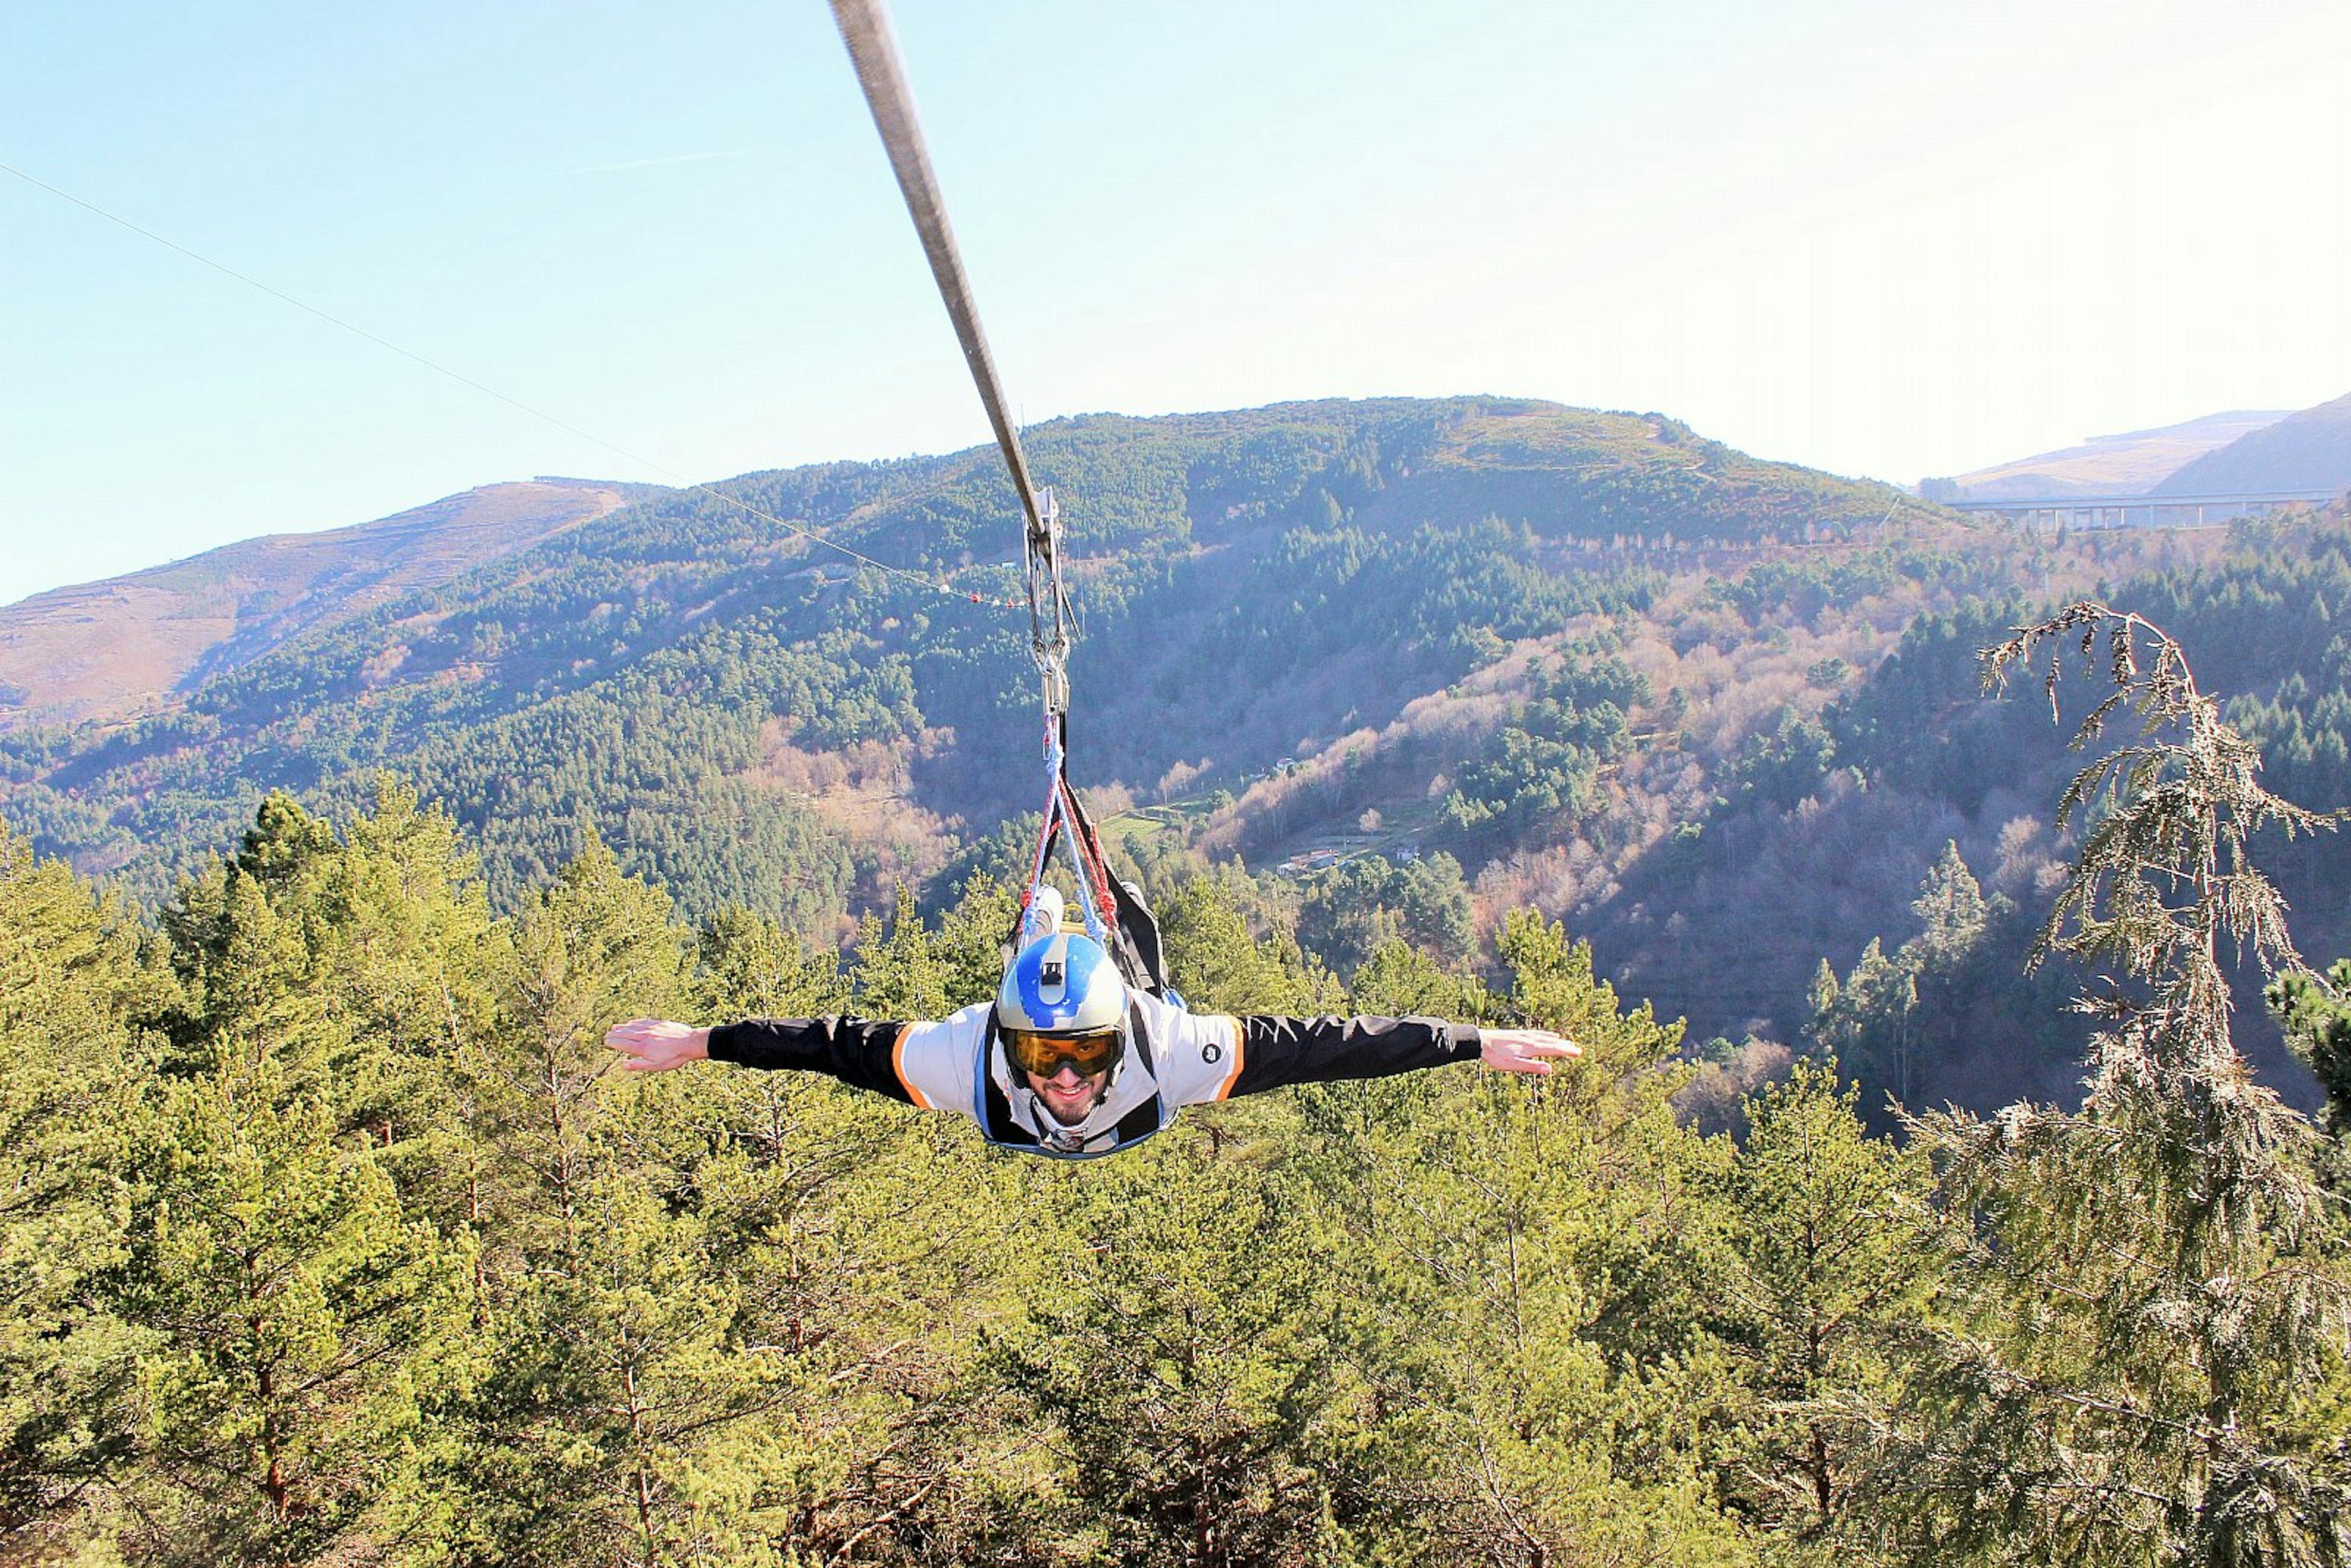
pixel 1076 1117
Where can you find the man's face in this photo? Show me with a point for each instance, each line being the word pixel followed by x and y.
pixel 1068 1096
pixel 1068 1073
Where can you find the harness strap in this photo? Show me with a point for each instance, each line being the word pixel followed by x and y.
pixel 1114 913
pixel 1095 903
pixel 993 1109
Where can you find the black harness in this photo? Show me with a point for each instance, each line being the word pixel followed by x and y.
pixel 1128 931
pixel 995 1110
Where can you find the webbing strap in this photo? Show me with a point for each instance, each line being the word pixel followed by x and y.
pixel 1095 905
pixel 1081 833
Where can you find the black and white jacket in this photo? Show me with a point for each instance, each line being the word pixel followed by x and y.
pixel 1173 1059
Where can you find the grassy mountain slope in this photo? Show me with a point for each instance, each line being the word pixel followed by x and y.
pixel 2307 451
pixel 126 645
pixel 2131 463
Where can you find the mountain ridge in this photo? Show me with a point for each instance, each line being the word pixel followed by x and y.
pixel 126 645
pixel 2306 451
pixel 2131 463
pixel 1261 536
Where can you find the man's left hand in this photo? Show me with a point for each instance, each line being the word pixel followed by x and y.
pixel 656 1045
pixel 1525 1050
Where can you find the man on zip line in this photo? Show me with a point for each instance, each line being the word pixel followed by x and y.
pixel 1069 1061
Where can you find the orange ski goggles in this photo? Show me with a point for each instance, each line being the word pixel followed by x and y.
pixel 1043 1054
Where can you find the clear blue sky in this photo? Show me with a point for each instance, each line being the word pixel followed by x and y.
pixel 1886 239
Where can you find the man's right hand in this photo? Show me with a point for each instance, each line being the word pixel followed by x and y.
pixel 656 1045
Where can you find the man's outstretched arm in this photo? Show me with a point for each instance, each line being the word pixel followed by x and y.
pixel 1275 1052
pixel 862 1053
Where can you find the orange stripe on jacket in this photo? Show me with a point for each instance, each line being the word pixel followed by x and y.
pixel 898 1066
pixel 1233 1077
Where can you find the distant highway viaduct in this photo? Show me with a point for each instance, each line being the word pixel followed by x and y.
pixel 2143 511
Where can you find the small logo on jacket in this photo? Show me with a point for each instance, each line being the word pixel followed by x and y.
pixel 1212 1053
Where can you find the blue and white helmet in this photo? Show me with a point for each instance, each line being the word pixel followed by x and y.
pixel 1062 984
pixel 1063 1007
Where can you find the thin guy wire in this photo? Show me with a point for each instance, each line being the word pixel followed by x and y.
pixel 540 414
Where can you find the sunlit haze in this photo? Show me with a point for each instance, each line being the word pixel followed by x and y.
pixel 1892 241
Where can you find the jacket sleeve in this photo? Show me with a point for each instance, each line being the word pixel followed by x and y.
pixel 862 1053
pixel 1280 1050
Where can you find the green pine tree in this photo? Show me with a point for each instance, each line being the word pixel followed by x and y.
pixel 2140 1356
pixel 72 979
pixel 1186 1350
pixel 1827 1242
pixel 300 1326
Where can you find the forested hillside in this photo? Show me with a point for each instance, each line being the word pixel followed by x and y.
pixel 762 722
pixel 331 1239
pixel 1464 657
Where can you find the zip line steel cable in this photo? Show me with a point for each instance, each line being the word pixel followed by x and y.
pixel 874 50
pixel 683 482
